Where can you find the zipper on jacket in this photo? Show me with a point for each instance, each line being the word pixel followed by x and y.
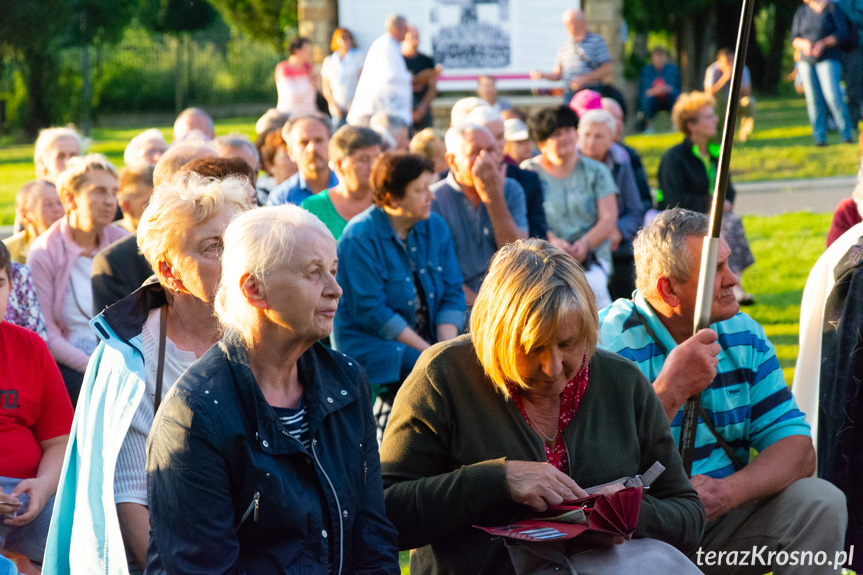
pixel 338 506
pixel 252 509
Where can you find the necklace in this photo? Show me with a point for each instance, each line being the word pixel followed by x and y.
pixel 549 441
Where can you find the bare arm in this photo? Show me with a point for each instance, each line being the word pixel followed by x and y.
pixel 606 224
pixel 602 72
pixel 40 488
pixel 554 76
pixel 776 467
pixel 135 527
pixel 447 331
pixel 469 295
pixel 411 338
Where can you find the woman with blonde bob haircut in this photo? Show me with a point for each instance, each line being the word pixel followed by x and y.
pixel 147 340
pixel 524 413
pixel 279 455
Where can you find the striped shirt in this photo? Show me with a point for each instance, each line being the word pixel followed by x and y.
pixel 576 58
pixel 295 422
pixel 749 403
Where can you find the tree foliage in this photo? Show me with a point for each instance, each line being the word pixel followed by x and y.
pixel 265 20
pixel 175 16
pixel 33 34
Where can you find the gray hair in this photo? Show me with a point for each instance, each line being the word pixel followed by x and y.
pixel 463 107
pixel 349 139
pixel 258 243
pixel 598 117
pixel 294 120
pixel 136 143
pixel 393 21
pixel 48 137
pixel 454 138
pixel 483 115
pixel 272 119
pixel 387 122
pixel 224 144
pixel 660 248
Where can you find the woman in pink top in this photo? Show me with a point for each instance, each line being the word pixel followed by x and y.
pixel 60 261
pixel 296 80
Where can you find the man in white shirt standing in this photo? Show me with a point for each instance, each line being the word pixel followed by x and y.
pixel 385 83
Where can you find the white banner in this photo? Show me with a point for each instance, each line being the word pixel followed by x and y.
pixel 504 38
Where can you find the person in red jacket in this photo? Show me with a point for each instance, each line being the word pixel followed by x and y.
pixel 35 418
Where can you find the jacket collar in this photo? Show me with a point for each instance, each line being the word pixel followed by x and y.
pixel 385 228
pixel 127 317
pixel 320 377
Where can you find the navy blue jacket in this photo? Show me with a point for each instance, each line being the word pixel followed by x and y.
pixel 230 491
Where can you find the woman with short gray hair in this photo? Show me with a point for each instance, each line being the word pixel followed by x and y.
pixel 279 456
pixel 596 135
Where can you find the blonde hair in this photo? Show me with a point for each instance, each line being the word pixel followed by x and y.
pixel 73 178
pixel 186 201
pixel 531 289
pixel 424 142
pixel 258 243
pixel 46 140
pixel 686 108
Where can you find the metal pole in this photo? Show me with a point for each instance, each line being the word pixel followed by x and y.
pixel 709 255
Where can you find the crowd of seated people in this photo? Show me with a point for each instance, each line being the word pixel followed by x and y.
pixel 311 351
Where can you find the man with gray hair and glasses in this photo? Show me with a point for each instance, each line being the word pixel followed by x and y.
pixel 386 82
pixel 757 506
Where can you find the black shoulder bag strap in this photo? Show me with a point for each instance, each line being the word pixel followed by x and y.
pixel 735 460
pixel 160 365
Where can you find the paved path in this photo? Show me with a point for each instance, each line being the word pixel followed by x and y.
pixel 765 198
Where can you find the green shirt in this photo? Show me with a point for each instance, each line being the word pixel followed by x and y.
pixel 322 206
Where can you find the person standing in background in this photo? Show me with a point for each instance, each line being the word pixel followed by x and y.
pixel 340 74
pixel 716 79
pixel 424 82
pixel 296 80
pixel 387 84
pixel 818 30
pixel 583 60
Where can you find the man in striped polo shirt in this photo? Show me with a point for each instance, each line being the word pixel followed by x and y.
pixel 583 61
pixel 771 501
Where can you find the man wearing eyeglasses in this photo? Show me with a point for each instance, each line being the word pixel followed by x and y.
pixel 583 60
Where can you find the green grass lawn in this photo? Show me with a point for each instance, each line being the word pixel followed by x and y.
pixel 780 148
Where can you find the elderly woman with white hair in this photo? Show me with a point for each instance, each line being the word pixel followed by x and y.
pixel 61 260
pixel 596 140
pixel 145 149
pixel 524 413
pixel 278 443
pixel 54 147
pixel 146 341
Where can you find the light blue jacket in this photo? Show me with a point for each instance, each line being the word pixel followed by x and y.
pixel 85 533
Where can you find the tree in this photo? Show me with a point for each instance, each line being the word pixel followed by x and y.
pixel 177 18
pixel 265 20
pixel 33 34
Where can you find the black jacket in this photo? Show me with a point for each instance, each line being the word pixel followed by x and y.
pixel 230 491
pixel 118 270
pixel 683 179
